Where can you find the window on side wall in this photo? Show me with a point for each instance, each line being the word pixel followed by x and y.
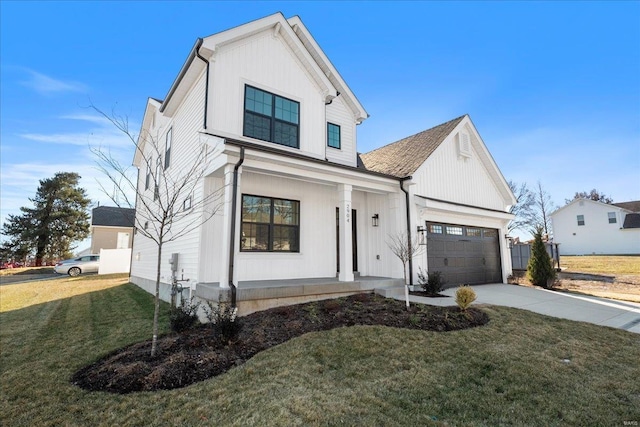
pixel 147 178
pixel 580 219
pixel 156 181
pixel 271 117
pixel 167 148
pixel 270 225
pixel 333 136
pixel 612 217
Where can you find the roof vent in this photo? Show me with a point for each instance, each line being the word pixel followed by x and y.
pixel 464 145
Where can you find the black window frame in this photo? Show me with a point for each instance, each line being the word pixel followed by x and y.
pixel 147 178
pixel 271 226
pixel 272 118
pixel 329 124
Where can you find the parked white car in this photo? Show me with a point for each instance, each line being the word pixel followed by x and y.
pixel 77 266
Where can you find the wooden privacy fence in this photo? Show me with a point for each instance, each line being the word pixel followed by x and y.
pixel 521 252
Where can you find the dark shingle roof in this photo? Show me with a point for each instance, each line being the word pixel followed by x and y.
pixel 631 220
pixel 633 206
pixel 402 158
pixel 111 216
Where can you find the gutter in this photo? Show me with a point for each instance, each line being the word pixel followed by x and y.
pixel 206 84
pixel 182 73
pixel 232 244
pixel 407 205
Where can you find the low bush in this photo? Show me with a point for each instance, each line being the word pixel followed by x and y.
pixel 431 282
pixel 464 297
pixel 185 316
pixel 223 319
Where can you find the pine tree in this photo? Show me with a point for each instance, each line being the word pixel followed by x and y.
pixel 59 217
pixel 540 268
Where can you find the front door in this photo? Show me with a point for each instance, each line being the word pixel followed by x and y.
pixel 354 239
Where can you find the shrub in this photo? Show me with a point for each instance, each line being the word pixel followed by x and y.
pixel 185 316
pixel 432 283
pixel 223 319
pixel 540 268
pixel 465 296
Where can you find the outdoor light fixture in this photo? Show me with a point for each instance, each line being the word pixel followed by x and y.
pixel 421 232
pixel 374 220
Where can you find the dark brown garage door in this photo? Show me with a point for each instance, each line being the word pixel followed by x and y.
pixel 464 254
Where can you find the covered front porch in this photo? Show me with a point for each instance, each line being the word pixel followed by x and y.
pixel 256 295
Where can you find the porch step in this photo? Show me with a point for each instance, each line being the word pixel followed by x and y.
pixel 390 291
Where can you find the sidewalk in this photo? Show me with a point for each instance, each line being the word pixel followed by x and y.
pixel 600 311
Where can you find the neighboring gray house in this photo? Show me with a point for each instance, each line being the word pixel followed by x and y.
pixel 111 228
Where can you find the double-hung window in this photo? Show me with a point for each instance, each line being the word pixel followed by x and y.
pixel 612 217
pixel 270 225
pixel 580 219
pixel 271 117
pixel 167 148
pixel 147 178
pixel 333 135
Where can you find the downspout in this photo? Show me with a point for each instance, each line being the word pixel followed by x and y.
pixel 407 205
pixel 206 83
pixel 232 245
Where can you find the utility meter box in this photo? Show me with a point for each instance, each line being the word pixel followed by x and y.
pixel 174 262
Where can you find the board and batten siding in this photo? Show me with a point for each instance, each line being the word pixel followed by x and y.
pixel 339 114
pixel 266 62
pixel 317 256
pixel 447 176
pixel 185 147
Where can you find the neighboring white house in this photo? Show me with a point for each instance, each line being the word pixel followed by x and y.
pixel 587 227
pixel 312 218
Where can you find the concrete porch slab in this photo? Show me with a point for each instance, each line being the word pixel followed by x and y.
pixel 258 295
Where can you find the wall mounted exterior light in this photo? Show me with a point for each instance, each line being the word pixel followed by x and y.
pixel 374 220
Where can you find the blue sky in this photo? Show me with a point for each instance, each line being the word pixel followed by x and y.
pixel 552 87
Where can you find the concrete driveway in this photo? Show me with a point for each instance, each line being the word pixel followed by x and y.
pixel 600 311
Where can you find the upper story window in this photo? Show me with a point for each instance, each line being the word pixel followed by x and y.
pixel 271 117
pixel 333 135
pixel 270 225
pixel 612 217
pixel 147 178
pixel 580 219
pixel 156 181
pixel 167 148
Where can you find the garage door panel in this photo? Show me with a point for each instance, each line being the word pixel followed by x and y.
pixel 470 258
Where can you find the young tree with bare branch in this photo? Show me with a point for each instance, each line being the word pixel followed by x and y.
pixel 170 202
pixel 405 249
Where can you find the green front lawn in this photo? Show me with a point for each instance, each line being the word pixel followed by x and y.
pixel 511 371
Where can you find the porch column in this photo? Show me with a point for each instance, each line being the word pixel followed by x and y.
pixel 225 236
pixel 345 224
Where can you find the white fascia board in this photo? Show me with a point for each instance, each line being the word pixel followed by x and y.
pixel 488 161
pixel 594 202
pixel 296 168
pixel 444 207
pixel 280 27
pixel 327 67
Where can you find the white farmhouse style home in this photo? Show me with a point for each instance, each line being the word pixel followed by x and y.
pixel 302 215
pixel 587 227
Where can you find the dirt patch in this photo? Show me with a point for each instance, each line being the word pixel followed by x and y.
pixel 196 355
pixel 427 295
pixel 620 287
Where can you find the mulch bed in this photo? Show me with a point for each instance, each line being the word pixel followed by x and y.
pixel 196 355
